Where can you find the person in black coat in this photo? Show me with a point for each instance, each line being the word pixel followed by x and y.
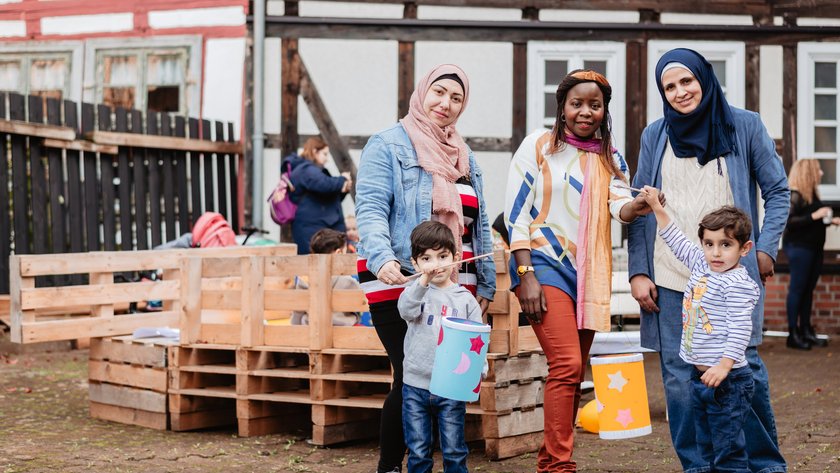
pixel 804 239
pixel 317 193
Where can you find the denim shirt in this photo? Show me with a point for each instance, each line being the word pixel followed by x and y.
pixel 394 194
pixel 754 162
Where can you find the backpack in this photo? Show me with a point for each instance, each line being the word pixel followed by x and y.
pixel 212 230
pixel 280 203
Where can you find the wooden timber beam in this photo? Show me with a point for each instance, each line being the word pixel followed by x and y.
pixel 405 66
pixel 55 132
pixel 521 31
pixel 789 92
pixel 519 117
pixel 338 149
pixel 476 143
pixel 162 142
pixel 721 7
pixel 290 87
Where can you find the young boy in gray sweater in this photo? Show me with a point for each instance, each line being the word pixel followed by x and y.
pixel 423 304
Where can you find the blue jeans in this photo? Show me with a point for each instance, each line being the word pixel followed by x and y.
pixel 419 407
pixel 805 269
pixel 760 425
pixel 719 414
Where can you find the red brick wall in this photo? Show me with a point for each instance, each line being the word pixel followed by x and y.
pixel 826 314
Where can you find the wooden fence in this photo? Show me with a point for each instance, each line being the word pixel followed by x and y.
pixel 88 178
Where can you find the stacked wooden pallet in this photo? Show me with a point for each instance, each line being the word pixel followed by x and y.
pixel 202 386
pixel 128 381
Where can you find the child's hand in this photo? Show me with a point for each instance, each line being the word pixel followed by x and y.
pixel 714 376
pixel 430 274
pixel 652 197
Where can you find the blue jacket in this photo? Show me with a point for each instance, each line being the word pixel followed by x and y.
pixel 754 163
pixel 318 196
pixel 394 194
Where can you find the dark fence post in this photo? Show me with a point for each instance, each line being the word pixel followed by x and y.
pixel 168 180
pixel 221 168
pixel 208 162
pixel 106 163
pixel 234 183
pixel 182 191
pixel 92 189
pixel 141 221
pixel 5 214
pixel 124 189
pixel 38 179
pixel 20 195
pixel 195 174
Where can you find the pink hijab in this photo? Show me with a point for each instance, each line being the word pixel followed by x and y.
pixel 440 151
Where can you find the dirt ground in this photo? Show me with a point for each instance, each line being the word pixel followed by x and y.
pixel 44 427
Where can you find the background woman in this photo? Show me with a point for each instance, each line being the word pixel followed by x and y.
pixel 563 187
pixel 317 193
pixel 704 154
pixel 417 170
pixel 804 239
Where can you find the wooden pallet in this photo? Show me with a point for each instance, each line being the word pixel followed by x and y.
pixel 202 386
pixel 128 381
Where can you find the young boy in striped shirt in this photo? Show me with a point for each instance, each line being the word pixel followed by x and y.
pixel 717 307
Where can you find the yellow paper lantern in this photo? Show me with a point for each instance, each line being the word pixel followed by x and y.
pixel 588 417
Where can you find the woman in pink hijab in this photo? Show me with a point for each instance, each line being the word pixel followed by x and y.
pixel 419 169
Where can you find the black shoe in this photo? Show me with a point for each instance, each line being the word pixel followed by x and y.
pixel 809 336
pixel 796 341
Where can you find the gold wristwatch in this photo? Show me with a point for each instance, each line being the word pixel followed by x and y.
pixel 521 270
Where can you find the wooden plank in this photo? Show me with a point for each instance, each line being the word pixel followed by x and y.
pixel 636 101
pixel 320 307
pixel 288 266
pixel 405 66
pixel 75 205
pixel 16 284
pixel 789 93
pixel 226 334
pixel 20 193
pixel 169 188
pixel 37 130
pixel 140 184
pixel 81 327
pixel 91 185
pixel 515 423
pixel 124 191
pixel 253 320
pixel 334 415
pixel 80 145
pixel 116 395
pixel 517 367
pixel 195 173
pixel 155 180
pixel 511 396
pixel 333 434
pixel 476 143
pixel 181 189
pixel 109 349
pixel 190 322
pixel 208 161
pixel 128 375
pixel 171 143
pixel 49 297
pixel 220 164
pixel 106 169
pixel 233 177
pixel 57 195
pixel 499 449
pixel 356 338
pixel 520 94
pixel 38 180
pixel 5 211
pixel 287 336
pixel 127 415
pixel 104 261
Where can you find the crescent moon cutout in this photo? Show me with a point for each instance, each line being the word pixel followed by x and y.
pixel 463 366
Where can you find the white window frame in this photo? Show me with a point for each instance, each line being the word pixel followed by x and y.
pixel 807 55
pixel 733 53
pixel 191 99
pixel 37 49
pixel 614 53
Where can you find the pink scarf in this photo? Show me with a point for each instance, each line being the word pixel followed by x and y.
pixel 440 151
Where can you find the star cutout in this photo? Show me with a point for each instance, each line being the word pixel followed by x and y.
pixel 624 417
pixel 476 344
pixel 617 381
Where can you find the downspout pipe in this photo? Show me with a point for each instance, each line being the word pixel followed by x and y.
pixel 258 137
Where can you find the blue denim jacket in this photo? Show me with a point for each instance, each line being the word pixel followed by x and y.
pixel 754 163
pixel 394 194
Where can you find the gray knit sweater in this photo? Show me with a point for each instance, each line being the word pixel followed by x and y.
pixel 422 308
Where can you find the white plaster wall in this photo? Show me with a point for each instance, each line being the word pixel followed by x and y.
pixel 589 16
pixel 770 103
pixel 10 28
pixel 76 24
pixel 271 90
pixel 223 90
pixel 222 16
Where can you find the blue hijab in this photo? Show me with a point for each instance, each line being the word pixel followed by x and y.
pixel 708 132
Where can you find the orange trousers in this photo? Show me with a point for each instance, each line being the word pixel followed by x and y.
pixel 567 351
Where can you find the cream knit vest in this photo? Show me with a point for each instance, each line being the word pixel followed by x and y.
pixel 691 192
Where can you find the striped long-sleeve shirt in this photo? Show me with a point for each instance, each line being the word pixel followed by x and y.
pixel 717 307
pixel 542 208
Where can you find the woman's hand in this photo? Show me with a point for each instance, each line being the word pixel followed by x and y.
pixel 820 213
pixel 531 297
pixel 348 182
pixel 390 274
pixel 644 291
pixel 638 207
pixel 835 221
pixel 766 266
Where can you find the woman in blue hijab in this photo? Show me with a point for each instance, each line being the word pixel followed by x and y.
pixel 704 154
